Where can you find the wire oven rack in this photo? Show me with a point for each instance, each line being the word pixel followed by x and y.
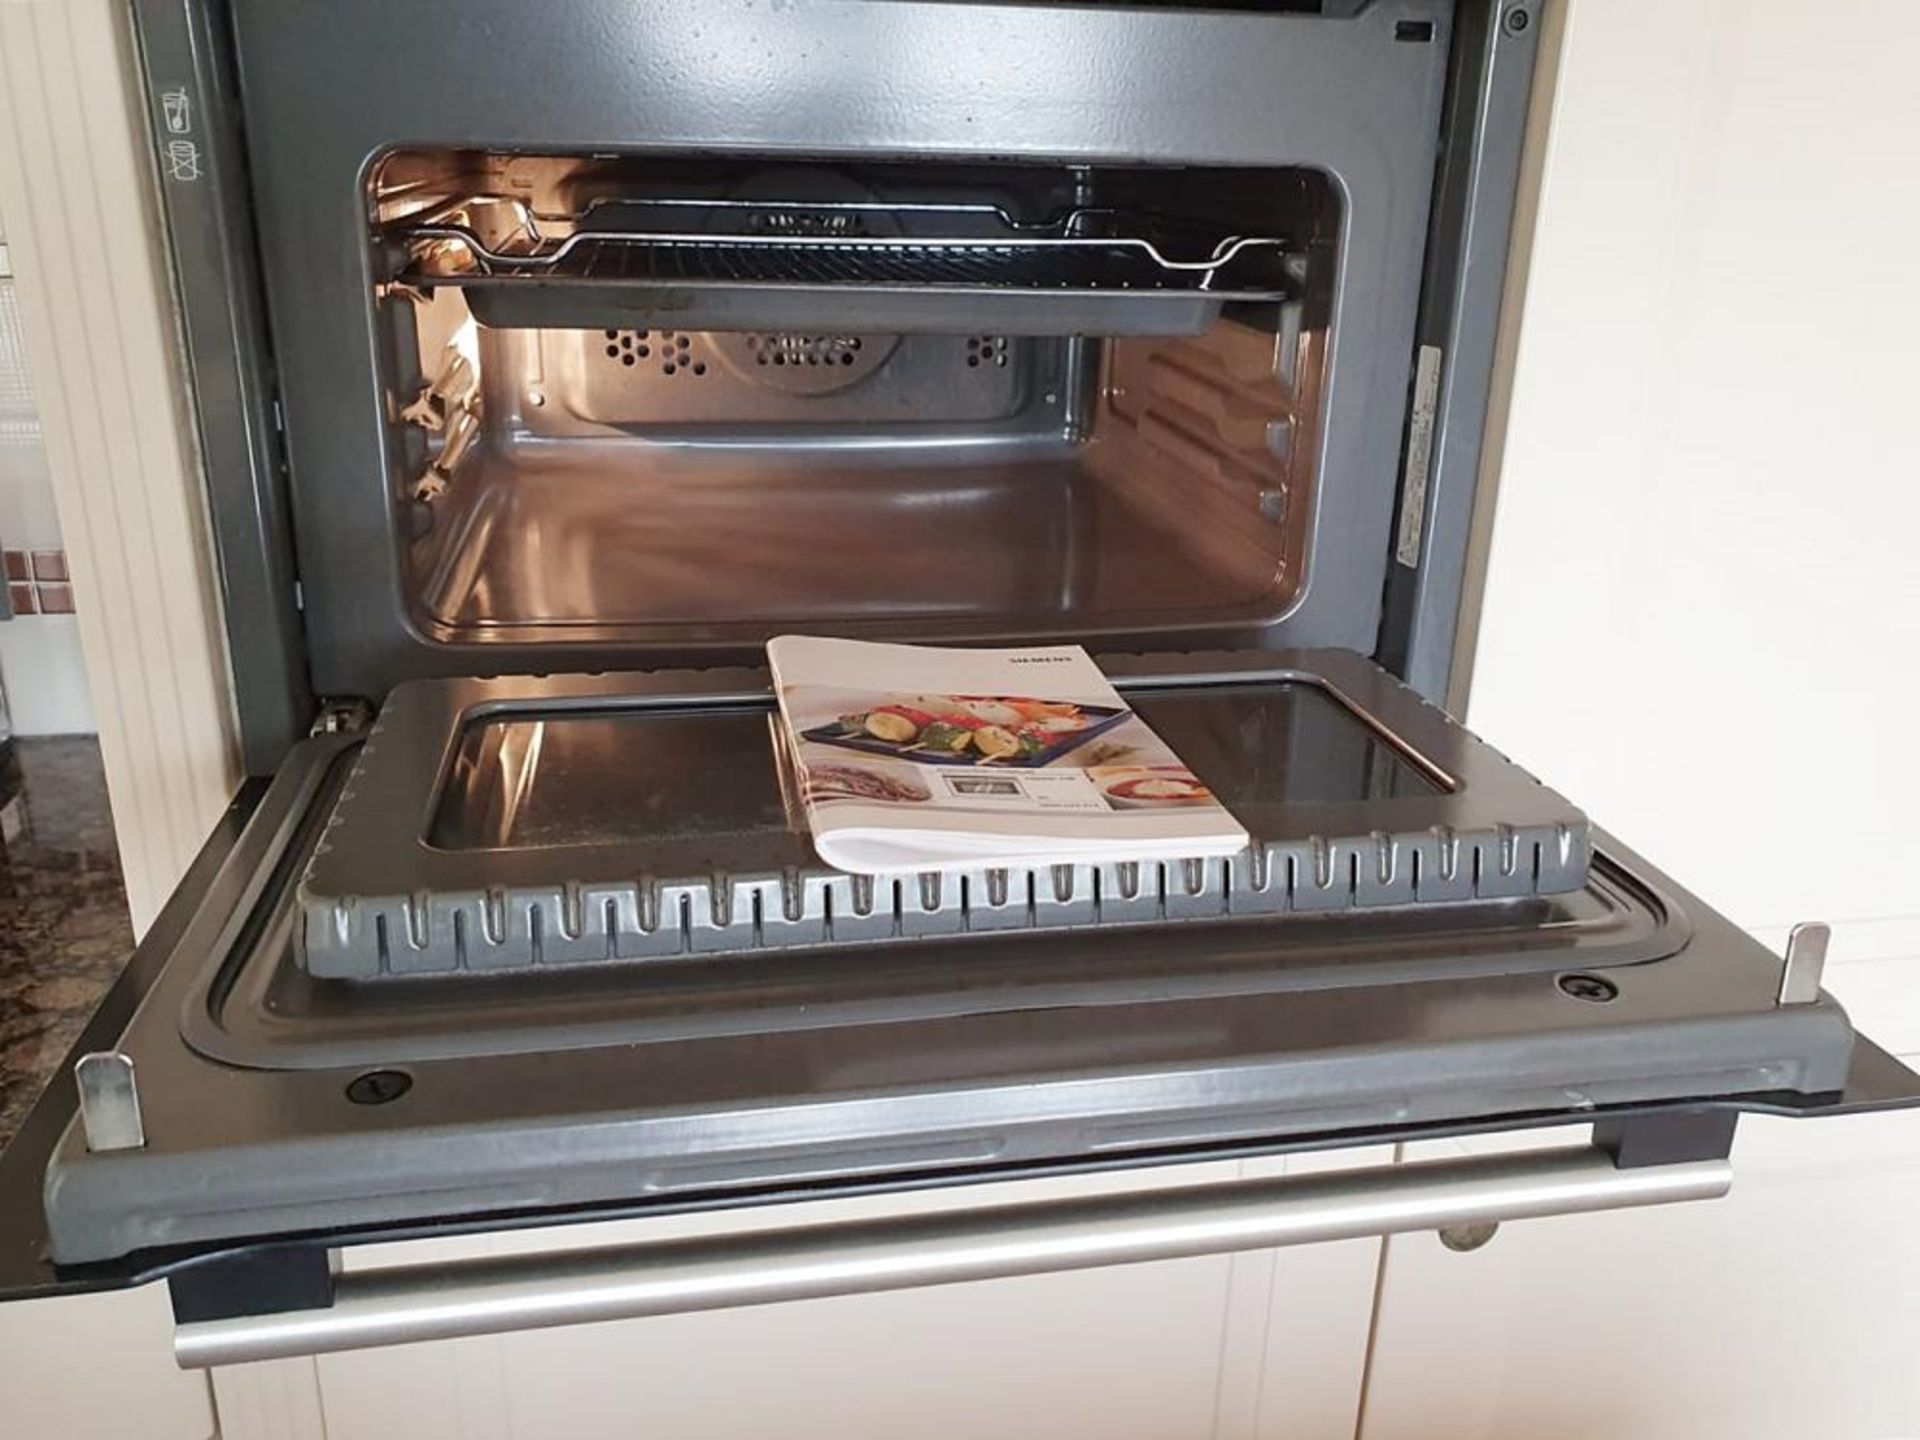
pixel 759 264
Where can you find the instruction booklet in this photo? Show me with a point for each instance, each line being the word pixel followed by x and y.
pixel 913 757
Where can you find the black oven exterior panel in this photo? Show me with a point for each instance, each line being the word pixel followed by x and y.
pixel 194 116
pixel 1690 1010
pixel 1489 92
pixel 324 97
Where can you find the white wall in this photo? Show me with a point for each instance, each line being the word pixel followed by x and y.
pixel 1702 616
pixel 42 670
pixel 27 516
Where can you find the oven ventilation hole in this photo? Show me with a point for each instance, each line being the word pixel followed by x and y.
pixel 676 357
pixel 820 224
pixel 986 350
pixel 805 350
pixel 672 349
pixel 803 364
pixel 625 346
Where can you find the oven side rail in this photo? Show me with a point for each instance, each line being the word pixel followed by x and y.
pixel 496 1295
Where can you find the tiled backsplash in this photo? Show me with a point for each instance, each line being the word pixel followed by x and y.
pixel 38 582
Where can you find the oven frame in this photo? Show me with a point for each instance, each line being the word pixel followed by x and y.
pixel 189 65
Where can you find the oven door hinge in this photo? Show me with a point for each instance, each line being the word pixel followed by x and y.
pixel 345 715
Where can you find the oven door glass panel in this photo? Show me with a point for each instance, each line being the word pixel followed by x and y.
pixel 536 782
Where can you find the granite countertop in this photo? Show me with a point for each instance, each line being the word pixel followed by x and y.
pixel 64 931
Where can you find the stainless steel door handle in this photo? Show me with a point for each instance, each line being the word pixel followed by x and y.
pixel 495 1295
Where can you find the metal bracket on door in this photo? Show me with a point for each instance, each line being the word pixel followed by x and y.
pixel 344 715
pixel 494 1295
pixel 1806 962
pixel 109 1101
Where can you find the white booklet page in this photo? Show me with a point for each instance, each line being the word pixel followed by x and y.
pixel 914 758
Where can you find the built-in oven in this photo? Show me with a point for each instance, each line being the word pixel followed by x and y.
pixel 546 370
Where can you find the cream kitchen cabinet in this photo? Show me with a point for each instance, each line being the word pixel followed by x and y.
pixel 97 1367
pixel 1740 525
pixel 1789 1309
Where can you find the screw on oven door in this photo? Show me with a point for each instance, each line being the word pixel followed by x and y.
pixel 1595 988
pixel 1461 1239
pixel 377 1087
pixel 1518 20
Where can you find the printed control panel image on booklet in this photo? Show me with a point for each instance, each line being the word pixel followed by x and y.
pixel 915 757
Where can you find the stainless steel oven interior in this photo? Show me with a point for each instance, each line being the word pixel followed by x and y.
pixel 696 402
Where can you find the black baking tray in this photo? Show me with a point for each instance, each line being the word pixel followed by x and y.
pixel 535 823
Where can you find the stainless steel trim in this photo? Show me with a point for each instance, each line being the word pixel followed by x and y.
pixel 498 1295
pixel 1465 1239
pixel 1413 475
pixel 1806 962
pixel 109 1101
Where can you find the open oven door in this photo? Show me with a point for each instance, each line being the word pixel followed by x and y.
pixel 536 951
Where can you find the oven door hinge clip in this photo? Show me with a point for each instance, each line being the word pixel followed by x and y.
pixel 109 1101
pixel 1805 964
pixel 348 715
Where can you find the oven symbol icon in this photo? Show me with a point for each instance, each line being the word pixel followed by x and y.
pixel 178 110
pixel 183 160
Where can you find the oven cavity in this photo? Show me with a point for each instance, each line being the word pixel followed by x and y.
pixel 653 403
